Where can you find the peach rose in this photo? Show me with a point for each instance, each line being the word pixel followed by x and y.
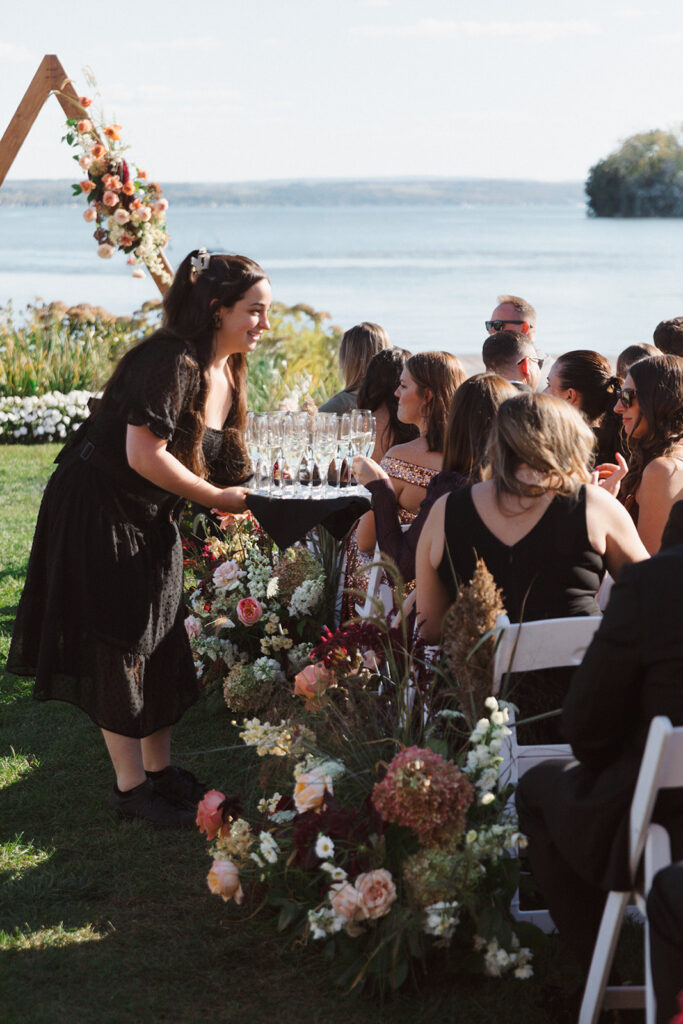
pixel 85 101
pixel 143 214
pixel 112 181
pixel 84 126
pixel 377 892
pixel 312 682
pixel 142 175
pixel 84 162
pixel 90 214
pixel 310 789
pixel 224 881
pixel 106 251
pixel 136 204
pixel 209 817
pixel 124 241
pixel 87 186
pixel 249 610
pixel 128 188
pixel 162 204
pixel 110 198
pixel 97 151
pixel 121 215
pixel 347 902
pixel 113 131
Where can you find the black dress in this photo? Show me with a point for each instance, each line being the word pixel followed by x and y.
pixel 100 621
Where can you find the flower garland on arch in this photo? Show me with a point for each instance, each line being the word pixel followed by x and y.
pixel 129 210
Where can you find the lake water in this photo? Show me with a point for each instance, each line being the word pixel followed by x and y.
pixel 429 274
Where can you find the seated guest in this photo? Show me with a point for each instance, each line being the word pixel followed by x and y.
pixel 428 383
pixel 665 918
pixel 585 380
pixel 472 411
pixel 651 410
pixel 357 347
pixel 668 336
pixel 576 817
pixel 631 354
pixel 513 355
pixel 513 313
pixel 378 394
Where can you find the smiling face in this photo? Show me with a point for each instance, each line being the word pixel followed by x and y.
pixel 411 402
pixel 635 424
pixel 241 325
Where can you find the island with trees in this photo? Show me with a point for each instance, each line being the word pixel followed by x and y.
pixel 642 178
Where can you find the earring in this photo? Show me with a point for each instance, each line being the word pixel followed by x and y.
pixel 217 322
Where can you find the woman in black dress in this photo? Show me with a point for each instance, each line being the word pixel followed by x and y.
pixel 100 622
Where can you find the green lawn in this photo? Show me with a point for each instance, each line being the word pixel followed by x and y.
pixel 110 923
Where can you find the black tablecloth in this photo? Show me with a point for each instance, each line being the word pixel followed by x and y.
pixel 288 520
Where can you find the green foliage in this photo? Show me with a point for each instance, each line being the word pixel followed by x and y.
pixel 643 178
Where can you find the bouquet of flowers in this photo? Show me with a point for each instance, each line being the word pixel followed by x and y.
pixel 129 210
pixel 383 833
pixel 256 612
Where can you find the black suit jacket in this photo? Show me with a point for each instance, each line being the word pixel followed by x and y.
pixel 632 671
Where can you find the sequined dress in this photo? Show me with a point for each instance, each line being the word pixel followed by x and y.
pixel 100 622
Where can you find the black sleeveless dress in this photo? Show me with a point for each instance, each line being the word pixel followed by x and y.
pixel 100 621
pixel 552 572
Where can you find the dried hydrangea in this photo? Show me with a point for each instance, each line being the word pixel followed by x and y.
pixel 243 690
pixel 426 793
pixel 296 565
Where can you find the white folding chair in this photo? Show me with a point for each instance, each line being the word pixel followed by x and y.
pixel 378 588
pixel 660 768
pixel 525 647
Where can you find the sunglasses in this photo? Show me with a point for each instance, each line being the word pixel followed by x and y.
pixel 533 359
pixel 499 325
pixel 626 396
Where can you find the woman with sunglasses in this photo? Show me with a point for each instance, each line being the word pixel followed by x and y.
pixel 651 408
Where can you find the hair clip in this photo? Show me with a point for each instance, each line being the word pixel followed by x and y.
pixel 200 263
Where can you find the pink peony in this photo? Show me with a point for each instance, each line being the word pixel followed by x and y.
pixel 90 214
pixel 226 573
pixel 249 610
pixel 209 816
pixel 377 892
pixel 312 682
pixel 309 790
pixel 106 251
pixel 110 198
pixel 193 626
pixel 347 901
pixel 224 881
pixel 121 215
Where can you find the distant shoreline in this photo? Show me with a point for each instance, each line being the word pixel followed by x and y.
pixel 323 192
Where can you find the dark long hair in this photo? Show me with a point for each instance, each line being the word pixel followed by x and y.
pixel 471 416
pixel 659 389
pixel 590 374
pixel 442 374
pixel 189 309
pixel 378 389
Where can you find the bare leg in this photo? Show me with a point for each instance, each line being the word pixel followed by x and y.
pixel 126 757
pixel 156 750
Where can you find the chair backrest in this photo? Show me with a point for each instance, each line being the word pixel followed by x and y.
pixel 545 643
pixel 660 768
pixel 379 593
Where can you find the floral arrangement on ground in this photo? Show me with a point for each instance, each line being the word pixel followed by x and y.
pixel 382 829
pixel 256 612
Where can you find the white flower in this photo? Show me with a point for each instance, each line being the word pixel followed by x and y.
pixel 491 703
pixel 268 847
pixel 324 848
pixel 336 873
pixel 487 798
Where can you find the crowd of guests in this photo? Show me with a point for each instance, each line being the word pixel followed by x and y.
pixel 559 482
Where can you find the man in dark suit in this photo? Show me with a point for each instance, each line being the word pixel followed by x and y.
pixel 513 355
pixel 576 816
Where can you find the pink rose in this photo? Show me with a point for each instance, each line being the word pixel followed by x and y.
pixel 224 881
pixel 249 610
pixel 377 892
pixel 85 162
pixel 226 573
pixel 106 251
pixel 121 215
pixel 310 789
pixel 193 626
pixel 90 214
pixel 110 198
pixel 144 213
pixel 209 817
pixel 347 902
pixel 312 682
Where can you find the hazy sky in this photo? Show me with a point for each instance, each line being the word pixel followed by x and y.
pixel 225 91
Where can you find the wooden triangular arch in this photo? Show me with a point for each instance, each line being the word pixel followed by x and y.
pixel 49 78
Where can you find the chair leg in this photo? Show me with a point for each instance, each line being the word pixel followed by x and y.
pixel 603 955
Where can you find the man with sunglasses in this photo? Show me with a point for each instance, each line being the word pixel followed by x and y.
pixel 513 355
pixel 513 314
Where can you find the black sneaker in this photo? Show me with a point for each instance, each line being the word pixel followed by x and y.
pixel 146 803
pixel 178 786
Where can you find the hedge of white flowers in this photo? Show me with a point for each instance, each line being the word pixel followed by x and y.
pixel 35 420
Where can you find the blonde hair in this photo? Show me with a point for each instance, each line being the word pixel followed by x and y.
pixel 549 436
pixel 358 345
